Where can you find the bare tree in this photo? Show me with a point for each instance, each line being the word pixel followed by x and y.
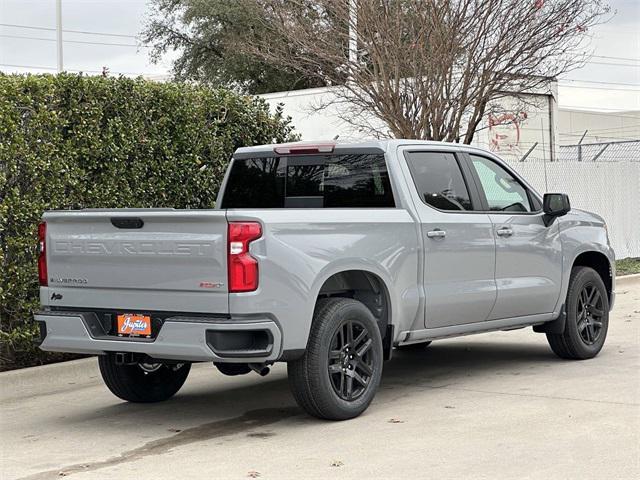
pixel 428 69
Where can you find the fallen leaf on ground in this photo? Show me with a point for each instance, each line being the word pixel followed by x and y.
pixel 253 474
pixel 337 463
pixel 395 420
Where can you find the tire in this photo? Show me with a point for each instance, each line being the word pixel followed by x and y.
pixel 413 347
pixel 133 384
pixel 587 319
pixel 326 395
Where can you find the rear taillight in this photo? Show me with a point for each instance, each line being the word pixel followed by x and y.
pixel 42 254
pixel 243 268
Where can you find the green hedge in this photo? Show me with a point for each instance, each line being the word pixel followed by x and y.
pixel 72 141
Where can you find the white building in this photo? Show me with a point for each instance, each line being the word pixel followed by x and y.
pixel 541 125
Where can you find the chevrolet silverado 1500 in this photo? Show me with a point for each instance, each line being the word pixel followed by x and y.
pixel 327 257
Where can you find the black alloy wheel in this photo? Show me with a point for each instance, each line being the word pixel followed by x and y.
pixel 590 310
pixel 351 360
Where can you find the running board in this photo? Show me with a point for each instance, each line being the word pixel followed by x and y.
pixel 415 336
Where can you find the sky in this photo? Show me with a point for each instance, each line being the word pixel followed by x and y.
pixel 609 82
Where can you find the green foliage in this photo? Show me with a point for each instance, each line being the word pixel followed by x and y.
pixel 207 35
pixel 628 266
pixel 72 141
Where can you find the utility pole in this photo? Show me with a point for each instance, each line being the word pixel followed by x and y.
pixel 59 34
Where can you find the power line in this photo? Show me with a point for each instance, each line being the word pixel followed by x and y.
pixel 83 32
pixel 582 108
pixel 39 67
pixel 613 64
pixel 601 88
pixel 599 82
pixel 616 27
pixel 27 66
pixel 73 41
pixel 617 89
pixel 607 57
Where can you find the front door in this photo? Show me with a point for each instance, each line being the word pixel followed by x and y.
pixel 459 244
pixel 528 253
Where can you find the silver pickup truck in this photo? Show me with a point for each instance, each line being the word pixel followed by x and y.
pixel 327 257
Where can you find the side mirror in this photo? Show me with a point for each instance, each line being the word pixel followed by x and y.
pixel 555 205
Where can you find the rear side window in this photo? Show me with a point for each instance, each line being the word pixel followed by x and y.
pixel 439 181
pixel 309 181
pixel 253 182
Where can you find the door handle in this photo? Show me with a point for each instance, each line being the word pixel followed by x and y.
pixel 437 233
pixel 504 232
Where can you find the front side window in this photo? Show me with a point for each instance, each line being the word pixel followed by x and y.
pixel 503 192
pixel 439 181
pixel 318 181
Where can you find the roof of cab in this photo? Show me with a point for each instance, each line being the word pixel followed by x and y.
pixel 364 145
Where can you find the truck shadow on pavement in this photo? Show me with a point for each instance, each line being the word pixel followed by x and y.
pixel 438 366
pixel 253 406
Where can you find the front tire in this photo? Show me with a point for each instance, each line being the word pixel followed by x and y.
pixel 339 374
pixel 142 383
pixel 587 320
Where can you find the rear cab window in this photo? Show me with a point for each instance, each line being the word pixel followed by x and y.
pixel 354 180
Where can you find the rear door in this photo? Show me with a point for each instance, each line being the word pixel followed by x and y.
pixel 163 260
pixel 528 253
pixel 459 246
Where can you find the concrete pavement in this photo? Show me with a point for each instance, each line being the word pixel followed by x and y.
pixel 492 406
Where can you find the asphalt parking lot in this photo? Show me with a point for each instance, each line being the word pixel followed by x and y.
pixel 497 405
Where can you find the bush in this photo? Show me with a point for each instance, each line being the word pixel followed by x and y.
pixel 72 141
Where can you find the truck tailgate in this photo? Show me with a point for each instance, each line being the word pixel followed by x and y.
pixel 164 259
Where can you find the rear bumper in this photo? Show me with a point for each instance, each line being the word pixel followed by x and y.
pixel 180 338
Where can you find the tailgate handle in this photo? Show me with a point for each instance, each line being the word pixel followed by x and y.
pixel 127 222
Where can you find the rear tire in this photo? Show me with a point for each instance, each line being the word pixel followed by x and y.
pixel 587 320
pixel 340 371
pixel 140 383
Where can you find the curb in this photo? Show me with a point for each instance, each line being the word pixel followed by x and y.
pixel 32 380
pixel 628 279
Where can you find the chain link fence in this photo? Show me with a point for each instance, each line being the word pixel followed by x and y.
pixel 601 177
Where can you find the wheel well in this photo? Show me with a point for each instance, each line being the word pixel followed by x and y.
pixel 365 287
pixel 600 263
